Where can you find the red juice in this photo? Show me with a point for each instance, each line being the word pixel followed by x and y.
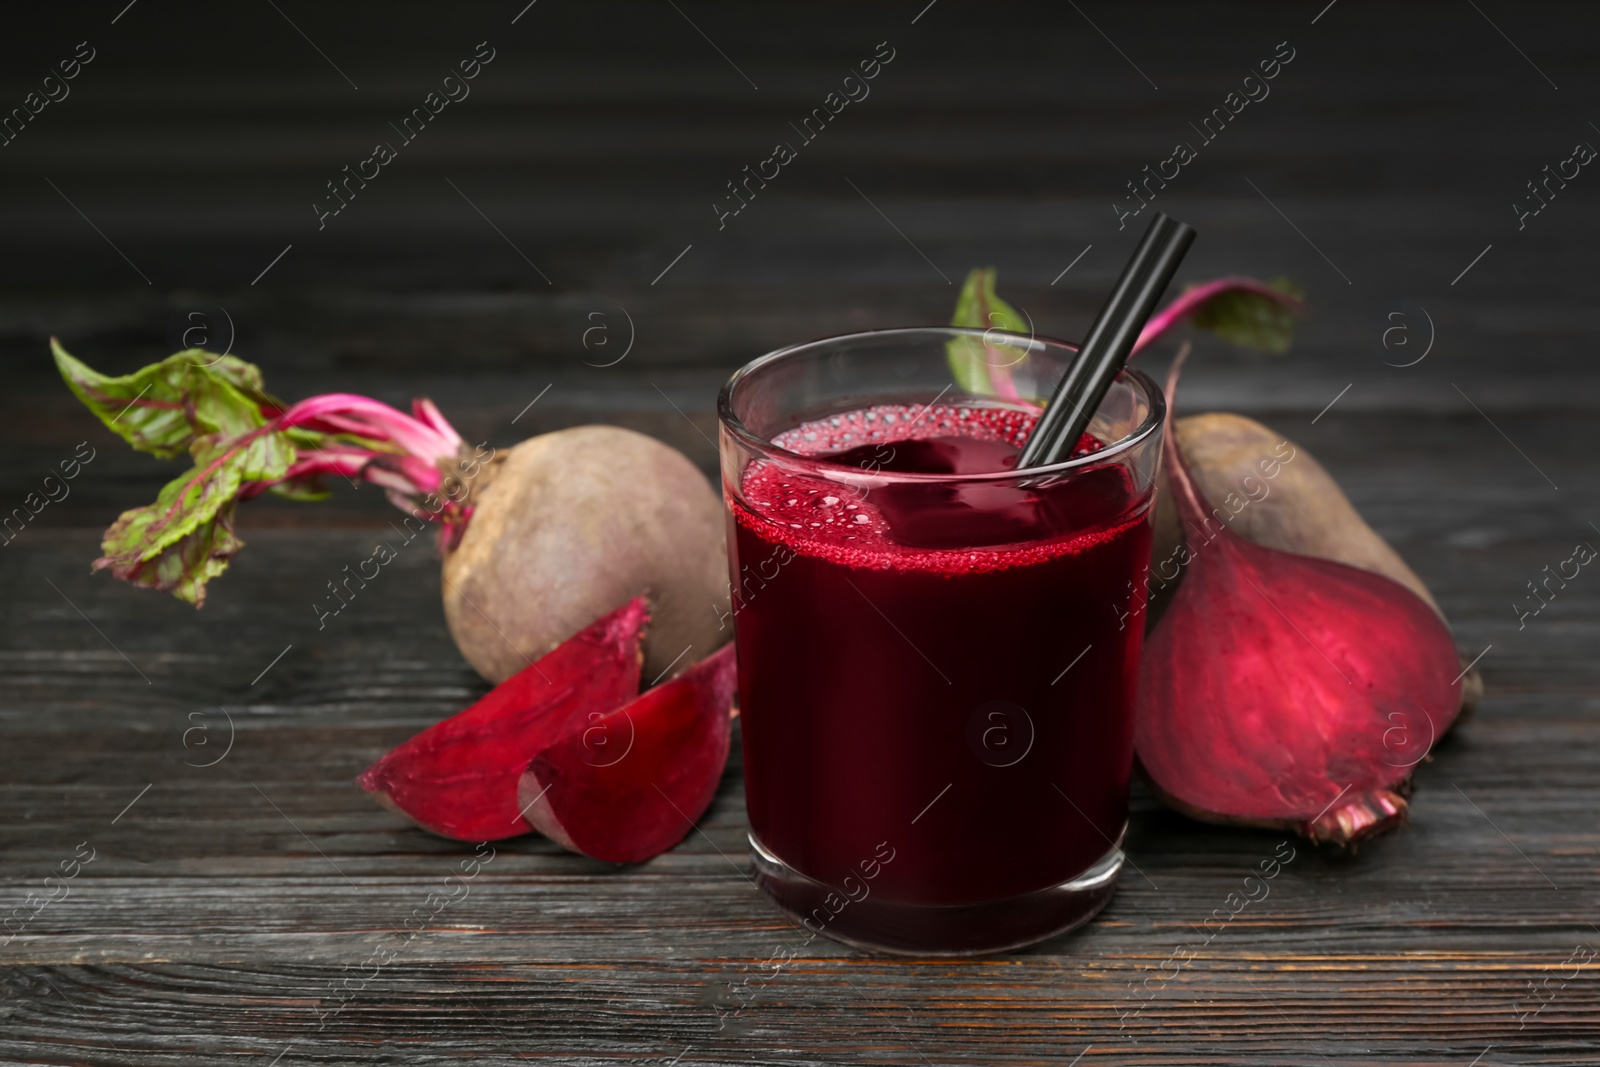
pixel 936 671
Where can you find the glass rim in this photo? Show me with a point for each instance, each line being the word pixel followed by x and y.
pixel 735 426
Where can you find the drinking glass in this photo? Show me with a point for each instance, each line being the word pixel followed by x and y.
pixel 937 718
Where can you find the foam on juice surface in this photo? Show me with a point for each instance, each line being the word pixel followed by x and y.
pixel 858 520
pixel 887 423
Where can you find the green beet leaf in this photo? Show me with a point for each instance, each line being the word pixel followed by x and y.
pixel 185 566
pixel 973 361
pixel 186 537
pixel 165 407
pixel 1250 319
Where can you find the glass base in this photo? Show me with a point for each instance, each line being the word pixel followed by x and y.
pixel 879 925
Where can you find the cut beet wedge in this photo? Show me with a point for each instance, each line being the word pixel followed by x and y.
pixel 631 784
pixel 1284 691
pixel 459 778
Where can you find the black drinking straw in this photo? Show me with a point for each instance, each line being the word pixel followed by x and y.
pixel 1109 342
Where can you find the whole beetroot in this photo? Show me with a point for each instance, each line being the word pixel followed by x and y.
pixel 537 540
pixel 569 523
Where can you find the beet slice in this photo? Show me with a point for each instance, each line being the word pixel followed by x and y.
pixel 1285 691
pixel 459 778
pixel 632 784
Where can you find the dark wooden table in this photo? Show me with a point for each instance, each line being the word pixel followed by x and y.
pixel 231 910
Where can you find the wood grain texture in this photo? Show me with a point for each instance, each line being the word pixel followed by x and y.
pixel 232 912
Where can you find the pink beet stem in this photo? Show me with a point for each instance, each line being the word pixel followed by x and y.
pixel 373 418
pixel 1190 504
pixel 428 413
pixel 409 468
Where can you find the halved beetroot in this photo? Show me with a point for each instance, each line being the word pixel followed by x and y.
pixel 633 783
pixel 459 777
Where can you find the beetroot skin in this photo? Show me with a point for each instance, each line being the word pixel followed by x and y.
pixel 1285 691
pixel 459 777
pixel 566 524
pixel 633 783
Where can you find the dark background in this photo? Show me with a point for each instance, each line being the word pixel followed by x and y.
pixel 187 157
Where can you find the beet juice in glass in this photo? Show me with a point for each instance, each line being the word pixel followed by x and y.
pixel 937 653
